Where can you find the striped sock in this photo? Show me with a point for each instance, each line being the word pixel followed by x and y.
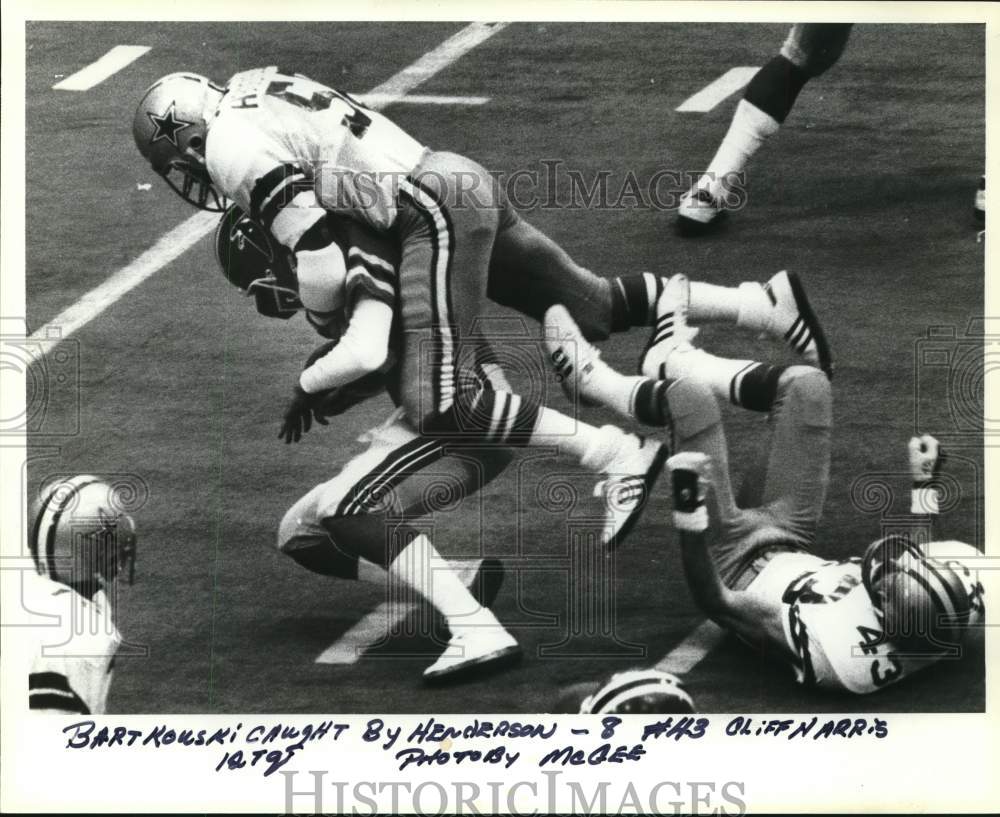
pixel 633 300
pixel 501 417
pixel 649 402
pixel 755 387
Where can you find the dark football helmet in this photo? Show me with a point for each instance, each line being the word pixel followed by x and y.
pixel 639 692
pixel 256 265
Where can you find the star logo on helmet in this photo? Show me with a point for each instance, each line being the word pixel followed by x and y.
pixel 167 126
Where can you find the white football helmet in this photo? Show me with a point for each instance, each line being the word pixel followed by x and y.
pixel 80 536
pixel 170 128
pixel 637 692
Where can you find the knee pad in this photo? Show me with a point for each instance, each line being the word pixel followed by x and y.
pixel 806 392
pixel 815 47
pixel 322 556
pixel 693 408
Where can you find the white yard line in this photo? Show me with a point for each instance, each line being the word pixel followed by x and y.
pixel 715 92
pixel 189 232
pixel 375 626
pixel 95 73
pixel 688 654
pixel 379 101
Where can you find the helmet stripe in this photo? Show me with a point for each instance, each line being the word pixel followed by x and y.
pixel 957 603
pixel 939 603
pixel 610 695
pixel 50 536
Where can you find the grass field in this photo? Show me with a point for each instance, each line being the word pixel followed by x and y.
pixel 866 192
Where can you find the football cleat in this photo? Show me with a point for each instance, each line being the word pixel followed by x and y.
pixel 979 204
pixel 671 331
pixel 639 692
pixel 170 128
pixel 474 649
pixel 572 356
pixel 632 464
pixel 793 321
pixel 698 213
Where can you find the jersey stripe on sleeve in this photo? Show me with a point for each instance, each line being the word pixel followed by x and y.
pixel 51 691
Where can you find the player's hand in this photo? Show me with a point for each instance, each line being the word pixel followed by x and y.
pixel 926 458
pixel 298 416
pixel 690 476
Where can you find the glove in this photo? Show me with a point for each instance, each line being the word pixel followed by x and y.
pixel 690 477
pixel 299 415
pixel 926 459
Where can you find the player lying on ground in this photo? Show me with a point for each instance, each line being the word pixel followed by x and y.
pixel 79 541
pixel 306 150
pixel 809 51
pixel 856 624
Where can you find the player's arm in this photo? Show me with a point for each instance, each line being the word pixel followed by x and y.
pixel 745 614
pixel 369 299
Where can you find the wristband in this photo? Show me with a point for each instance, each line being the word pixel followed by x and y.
pixel 695 521
pixel 923 499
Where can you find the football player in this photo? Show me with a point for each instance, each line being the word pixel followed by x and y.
pixel 857 624
pixel 359 524
pixel 304 150
pixel 80 541
pixel 809 51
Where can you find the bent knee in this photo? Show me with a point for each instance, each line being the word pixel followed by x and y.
pixel 693 407
pixel 815 47
pixel 806 391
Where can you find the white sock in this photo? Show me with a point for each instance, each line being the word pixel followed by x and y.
pixel 710 302
pixel 755 308
pixel 747 132
pixel 420 567
pixel 557 429
pixel 607 447
pixel 715 372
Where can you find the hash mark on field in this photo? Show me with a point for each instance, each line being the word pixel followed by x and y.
pixel 688 654
pixel 187 233
pixel 713 93
pixel 379 622
pixel 95 73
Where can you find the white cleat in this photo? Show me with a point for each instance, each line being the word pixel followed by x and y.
pixel 698 212
pixel 632 464
pixel 573 357
pixel 794 322
pixel 671 331
pixel 474 649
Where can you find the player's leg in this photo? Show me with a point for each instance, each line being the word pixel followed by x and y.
pixel 448 237
pixel 809 50
pixel 798 463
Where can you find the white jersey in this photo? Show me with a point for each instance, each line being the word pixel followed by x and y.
pixel 831 625
pixel 72 657
pixel 277 140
